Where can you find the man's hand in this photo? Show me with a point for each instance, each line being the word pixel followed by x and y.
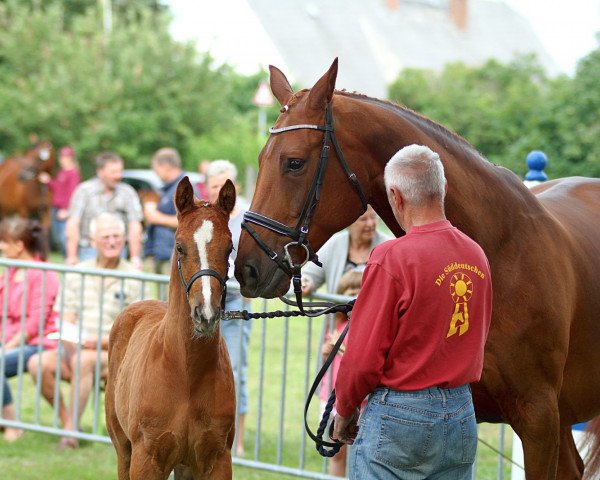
pixel 345 429
pixel 307 286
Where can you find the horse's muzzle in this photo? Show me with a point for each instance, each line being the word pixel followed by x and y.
pixel 203 324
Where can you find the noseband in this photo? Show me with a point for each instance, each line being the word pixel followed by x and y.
pixel 201 273
pixel 300 232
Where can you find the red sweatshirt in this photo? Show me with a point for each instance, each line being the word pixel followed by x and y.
pixel 421 318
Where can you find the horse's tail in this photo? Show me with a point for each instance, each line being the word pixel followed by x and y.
pixel 592 442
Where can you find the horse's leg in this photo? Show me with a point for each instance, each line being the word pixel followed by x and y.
pixel 536 421
pixel 222 469
pixel 146 467
pixel 570 464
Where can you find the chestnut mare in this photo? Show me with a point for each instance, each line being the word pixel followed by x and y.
pixel 542 361
pixel 20 191
pixel 170 395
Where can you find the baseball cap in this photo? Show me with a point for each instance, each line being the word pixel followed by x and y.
pixel 66 150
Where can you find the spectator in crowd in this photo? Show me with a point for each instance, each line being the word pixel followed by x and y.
pixel 22 239
pixel 342 252
pixel 161 218
pixel 348 285
pixel 235 332
pixel 62 188
pixel 201 186
pixel 416 338
pixel 84 318
pixel 103 193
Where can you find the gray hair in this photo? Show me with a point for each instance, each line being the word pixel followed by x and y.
pixel 417 173
pixel 106 217
pixel 167 156
pixel 218 167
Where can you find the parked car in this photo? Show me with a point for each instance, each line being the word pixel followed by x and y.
pixel 143 180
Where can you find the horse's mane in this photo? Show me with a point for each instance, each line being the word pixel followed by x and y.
pixel 437 130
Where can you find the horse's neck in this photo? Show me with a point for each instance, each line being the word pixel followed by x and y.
pixel 476 188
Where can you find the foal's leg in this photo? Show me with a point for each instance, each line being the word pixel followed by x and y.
pixel 222 469
pixel 157 462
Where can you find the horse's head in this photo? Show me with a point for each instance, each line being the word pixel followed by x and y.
pixel 295 207
pixel 202 248
pixel 38 158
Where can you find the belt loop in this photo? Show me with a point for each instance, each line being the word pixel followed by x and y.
pixel 443 394
pixel 384 394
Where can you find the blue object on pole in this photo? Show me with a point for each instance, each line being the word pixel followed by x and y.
pixel 536 162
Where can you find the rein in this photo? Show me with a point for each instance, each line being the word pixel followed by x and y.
pixel 202 273
pixel 299 233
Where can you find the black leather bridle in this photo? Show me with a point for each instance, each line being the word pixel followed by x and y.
pixel 201 273
pixel 300 232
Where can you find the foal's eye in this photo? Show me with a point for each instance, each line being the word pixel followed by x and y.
pixel 295 164
pixel 179 249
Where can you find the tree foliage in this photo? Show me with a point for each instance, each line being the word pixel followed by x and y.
pixel 506 111
pixel 131 91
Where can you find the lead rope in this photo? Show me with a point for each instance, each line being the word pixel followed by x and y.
pixel 325 448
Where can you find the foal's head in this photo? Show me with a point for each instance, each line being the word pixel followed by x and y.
pixel 202 248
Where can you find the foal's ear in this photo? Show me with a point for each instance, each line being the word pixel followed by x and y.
pixel 280 86
pixel 322 93
pixel 226 200
pixel 184 196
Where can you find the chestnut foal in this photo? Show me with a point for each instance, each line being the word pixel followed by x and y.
pixel 170 398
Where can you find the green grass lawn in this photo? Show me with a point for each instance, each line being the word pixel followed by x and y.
pixel 284 372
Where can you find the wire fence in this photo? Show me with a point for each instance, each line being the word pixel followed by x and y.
pixel 284 357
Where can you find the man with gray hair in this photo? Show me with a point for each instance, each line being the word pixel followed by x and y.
pixel 90 304
pixel 417 337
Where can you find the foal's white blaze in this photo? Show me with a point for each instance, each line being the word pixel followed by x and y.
pixel 203 237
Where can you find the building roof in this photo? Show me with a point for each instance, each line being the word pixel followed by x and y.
pixel 375 39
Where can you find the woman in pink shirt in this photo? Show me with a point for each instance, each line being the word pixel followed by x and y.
pixel 62 187
pixel 27 299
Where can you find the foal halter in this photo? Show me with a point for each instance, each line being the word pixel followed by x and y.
pixel 202 273
pixel 300 232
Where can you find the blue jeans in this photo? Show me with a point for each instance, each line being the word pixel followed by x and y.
pixel 58 230
pixel 11 367
pixel 237 337
pixel 427 434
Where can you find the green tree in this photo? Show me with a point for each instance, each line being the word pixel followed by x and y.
pixel 495 106
pixel 576 109
pixel 132 91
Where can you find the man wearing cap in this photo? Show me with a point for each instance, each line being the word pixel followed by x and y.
pixel 62 188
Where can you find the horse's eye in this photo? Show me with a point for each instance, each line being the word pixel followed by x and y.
pixel 179 249
pixel 295 164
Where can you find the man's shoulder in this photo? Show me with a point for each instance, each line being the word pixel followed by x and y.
pixel 125 188
pixel 90 185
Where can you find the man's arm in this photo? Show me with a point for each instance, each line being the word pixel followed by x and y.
pixel 72 232
pixel 135 243
pixel 373 328
pixel 155 217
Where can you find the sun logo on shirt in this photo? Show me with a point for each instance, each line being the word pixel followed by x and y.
pixel 461 290
pixel 461 287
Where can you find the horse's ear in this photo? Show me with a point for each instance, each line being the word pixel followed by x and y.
pixel 184 196
pixel 226 200
pixel 280 86
pixel 322 93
